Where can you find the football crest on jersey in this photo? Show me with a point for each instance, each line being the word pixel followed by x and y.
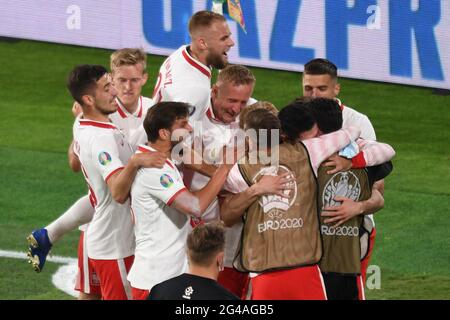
pixel 166 181
pixel 272 204
pixel 104 158
pixel 341 184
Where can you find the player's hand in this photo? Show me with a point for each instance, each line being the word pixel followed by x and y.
pixel 76 109
pixel 339 163
pixel 151 159
pixel 340 214
pixel 279 185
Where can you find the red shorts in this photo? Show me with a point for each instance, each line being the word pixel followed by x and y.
pixel 139 294
pixel 366 260
pixel 113 277
pixel 234 281
pixel 304 283
pixel 87 280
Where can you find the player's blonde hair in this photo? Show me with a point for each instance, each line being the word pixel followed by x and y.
pixel 128 57
pixel 265 105
pixel 236 74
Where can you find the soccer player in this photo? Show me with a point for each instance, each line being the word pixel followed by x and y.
pixel 340 264
pixel 186 74
pixel 109 167
pixel 272 235
pixel 205 251
pixel 290 238
pixel 229 96
pixel 161 204
pixel 320 80
pixel 129 75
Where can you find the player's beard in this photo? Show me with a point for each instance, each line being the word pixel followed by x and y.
pixel 216 61
pixel 108 111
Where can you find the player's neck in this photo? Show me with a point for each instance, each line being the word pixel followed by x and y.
pixel 130 107
pixel 165 147
pixel 206 272
pixel 96 116
pixel 196 54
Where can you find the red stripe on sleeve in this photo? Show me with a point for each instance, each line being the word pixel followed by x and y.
pixel 175 195
pixel 109 175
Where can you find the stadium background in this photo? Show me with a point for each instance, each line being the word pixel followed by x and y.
pixel 365 39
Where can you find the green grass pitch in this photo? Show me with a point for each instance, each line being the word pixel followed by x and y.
pixel 413 245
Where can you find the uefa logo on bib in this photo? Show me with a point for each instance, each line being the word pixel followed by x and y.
pixel 274 204
pixel 341 184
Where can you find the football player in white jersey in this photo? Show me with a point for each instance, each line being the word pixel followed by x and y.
pixel 186 74
pixel 320 80
pixel 161 204
pixel 129 76
pixel 109 167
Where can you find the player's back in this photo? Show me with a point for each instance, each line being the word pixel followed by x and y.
pixel 184 79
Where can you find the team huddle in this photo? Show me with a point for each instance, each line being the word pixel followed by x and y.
pixel 203 192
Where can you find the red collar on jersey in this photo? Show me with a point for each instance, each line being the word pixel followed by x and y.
pixel 121 110
pixel 340 103
pixel 144 148
pixel 195 64
pixel 98 124
pixel 210 114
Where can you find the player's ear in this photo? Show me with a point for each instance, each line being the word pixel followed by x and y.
pixel 214 90
pixel 337 89
pixel 87 100
pixel 219 260
pixel 202 43
pixel 144 78
pixel 164 134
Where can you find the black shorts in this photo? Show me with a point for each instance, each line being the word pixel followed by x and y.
pixel 340 286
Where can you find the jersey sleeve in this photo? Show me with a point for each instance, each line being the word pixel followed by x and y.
pixel 235 182
pixel 367 130
pixel 163 184
pixel 105 155
pixel 375 153
pixel 322 147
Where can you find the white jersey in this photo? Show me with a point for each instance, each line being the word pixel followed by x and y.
pixel 161 231
pixel 184 79
pixel 131 124
pixel 356 119
pixel 353 118
pixel 102 150
pixel 215 135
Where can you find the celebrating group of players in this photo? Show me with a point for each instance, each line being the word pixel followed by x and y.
pixel 298 226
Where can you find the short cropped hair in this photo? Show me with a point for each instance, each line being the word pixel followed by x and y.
pixel 237 75
pixel 257 105
pixel 83 79
pixel 260 119
pixel 128 57
pixel 203 19
pixel 162 116
pixel 328 114
pixel 296 118
pixel 321 66
pixel 205 242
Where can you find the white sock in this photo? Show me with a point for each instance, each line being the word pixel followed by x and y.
pixel 79 213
